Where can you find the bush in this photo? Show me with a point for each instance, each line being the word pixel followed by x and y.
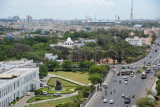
pixel 38 92
pixel 95 78
pixel 138 71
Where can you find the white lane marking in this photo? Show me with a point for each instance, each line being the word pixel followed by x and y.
pixel 124 92
pixel 99 92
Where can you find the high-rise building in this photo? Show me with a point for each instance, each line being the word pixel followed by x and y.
pixel 29 19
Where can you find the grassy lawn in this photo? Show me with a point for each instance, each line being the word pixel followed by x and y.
pixel 76 76
pixel 66 90
pixel 52 103
pixel 64 83
pixel 39 98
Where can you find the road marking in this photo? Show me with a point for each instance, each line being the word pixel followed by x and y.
pixel 107 80
pixel 124 92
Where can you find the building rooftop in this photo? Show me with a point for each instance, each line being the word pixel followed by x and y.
pixel 13 73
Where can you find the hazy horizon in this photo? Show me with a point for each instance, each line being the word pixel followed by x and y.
pixel 72 9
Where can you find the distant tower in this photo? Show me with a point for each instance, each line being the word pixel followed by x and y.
pixel 131 16
pixel 29 19
pixel 118 18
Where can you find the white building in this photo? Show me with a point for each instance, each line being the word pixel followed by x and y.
pixel 136 41
pixel 5 65
pixel 50 56
pixel 69 43
pixel 15 82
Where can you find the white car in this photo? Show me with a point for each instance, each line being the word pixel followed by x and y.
pixel 57 93
pixel 126 82
pixel 111 101
pixel 123 95
pixel 105 100
pixel 28 94
pixel 124 77
pixel 132 75
pixel 44 92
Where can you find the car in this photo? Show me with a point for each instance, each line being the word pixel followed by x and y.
pixel 28 94
pixel 105 100
pixel 44 92
pixel 123 95
pixel 127 99
pixel 124 77
pixel 111 101
pixel 57 93
pixel 126 82
pixel 132 74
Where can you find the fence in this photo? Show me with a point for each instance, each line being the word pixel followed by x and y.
pixel 90 96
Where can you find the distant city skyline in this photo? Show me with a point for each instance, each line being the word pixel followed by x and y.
pixel 72 9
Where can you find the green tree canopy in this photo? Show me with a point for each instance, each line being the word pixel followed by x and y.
pixel 145 102
pixel 95 78
pixel 43 71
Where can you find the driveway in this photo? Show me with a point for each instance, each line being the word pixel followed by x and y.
pixel 22 101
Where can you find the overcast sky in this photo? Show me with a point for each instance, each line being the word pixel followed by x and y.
pixel 70 9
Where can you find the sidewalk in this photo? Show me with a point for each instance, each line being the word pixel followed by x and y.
pixel 63 96
pixel 22 102
pixel 45 80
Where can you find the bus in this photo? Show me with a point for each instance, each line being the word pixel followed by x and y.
pixel 128 72
pixel 148 70
pixel 123 72
pixel 143 75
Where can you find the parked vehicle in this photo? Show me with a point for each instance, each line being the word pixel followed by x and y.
pixel 28 94
pixel 57 93
pixel 44 92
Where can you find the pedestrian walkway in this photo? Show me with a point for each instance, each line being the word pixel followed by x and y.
pixel 45 80
pixel 22 101
pixel 63 96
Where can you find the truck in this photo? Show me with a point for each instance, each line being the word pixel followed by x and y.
pixel 143 75
pixel 148 70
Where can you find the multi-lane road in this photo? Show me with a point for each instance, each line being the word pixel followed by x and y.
pixel 135 85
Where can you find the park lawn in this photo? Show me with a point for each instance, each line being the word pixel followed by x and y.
pixel 76 76
pixel 53 103
pixel 64 83
pixel 65 90
pixel 41 97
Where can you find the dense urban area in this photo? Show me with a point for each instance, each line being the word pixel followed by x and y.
pixel 79 63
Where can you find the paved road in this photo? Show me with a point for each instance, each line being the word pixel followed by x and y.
pixel 135 85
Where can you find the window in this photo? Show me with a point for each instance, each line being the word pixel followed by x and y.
pixel 14 85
